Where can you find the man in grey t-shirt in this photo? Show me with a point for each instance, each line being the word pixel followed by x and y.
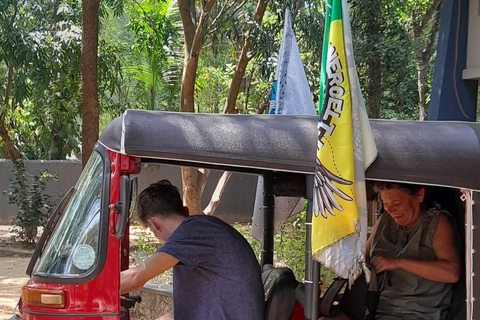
pixel 215 272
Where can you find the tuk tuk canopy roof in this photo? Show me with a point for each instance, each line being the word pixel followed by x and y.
pixel 424 152
pixel 280 143
pixel 442 153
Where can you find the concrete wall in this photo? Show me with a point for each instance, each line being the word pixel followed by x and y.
pixel 67 171
pixel 236 205
pixel 156 302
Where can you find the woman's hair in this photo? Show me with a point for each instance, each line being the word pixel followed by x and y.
pixel 411 189
pixel 160 199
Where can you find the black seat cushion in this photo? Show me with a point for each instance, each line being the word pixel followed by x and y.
pixel 279 286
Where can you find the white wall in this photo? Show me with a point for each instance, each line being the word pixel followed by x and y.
pixel 472 70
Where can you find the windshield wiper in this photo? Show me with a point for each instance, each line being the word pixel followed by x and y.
pixel 47 231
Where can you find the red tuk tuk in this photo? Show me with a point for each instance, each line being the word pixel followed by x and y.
pixel 75 270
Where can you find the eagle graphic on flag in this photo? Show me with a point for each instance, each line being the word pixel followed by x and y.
pixel 325 189
pixel 345 149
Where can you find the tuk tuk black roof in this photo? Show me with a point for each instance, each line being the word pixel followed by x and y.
pixel 284 143
pixel 428 152
pixel 441 153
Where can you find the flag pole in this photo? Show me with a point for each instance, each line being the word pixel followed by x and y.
pixel 312 267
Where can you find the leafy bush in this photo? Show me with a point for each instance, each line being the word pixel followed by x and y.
pixel 34 205
pixel 289 244
pixel 289 248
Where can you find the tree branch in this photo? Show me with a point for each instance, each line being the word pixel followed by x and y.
pixel 428 51
pixel 198 37
pixel 217 194
pixel 236 9
pixel 228 17
pixel 429 13
pixel 245 57
pixel 219 15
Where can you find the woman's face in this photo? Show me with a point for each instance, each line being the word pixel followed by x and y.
pixel 404 208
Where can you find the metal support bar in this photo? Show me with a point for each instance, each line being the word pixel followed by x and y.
pixel 268 215
pixel 312 268
pixel 312 271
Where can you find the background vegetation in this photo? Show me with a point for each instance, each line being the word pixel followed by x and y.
pixel 141 60
pixel 218 55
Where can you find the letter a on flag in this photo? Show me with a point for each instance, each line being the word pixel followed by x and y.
pixel 345 150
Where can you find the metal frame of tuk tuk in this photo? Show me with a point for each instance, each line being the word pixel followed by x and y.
pixel 283 148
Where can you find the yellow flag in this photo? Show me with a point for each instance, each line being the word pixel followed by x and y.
pixel 339 224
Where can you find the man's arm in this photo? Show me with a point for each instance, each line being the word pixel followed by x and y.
pixel 166 316
pixel 447 266
pixel 135 278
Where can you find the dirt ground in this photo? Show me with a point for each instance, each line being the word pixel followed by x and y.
pixel 14 259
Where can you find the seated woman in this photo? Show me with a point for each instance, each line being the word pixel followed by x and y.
pixel 416 247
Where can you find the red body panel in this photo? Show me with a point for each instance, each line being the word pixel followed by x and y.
pixel 99 296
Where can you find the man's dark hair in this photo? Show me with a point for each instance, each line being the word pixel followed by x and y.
pixel 160 199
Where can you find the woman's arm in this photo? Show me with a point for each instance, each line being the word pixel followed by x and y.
pixel 447 266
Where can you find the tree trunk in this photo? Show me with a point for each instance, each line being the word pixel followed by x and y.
pixel 193 180
pixel 245 57
pixel 12 151
pixel 193 36
pixel 422 72
pixel 242 63
pixel 424 52
pixel 374 86
pixel 90 112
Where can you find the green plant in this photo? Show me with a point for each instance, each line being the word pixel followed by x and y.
pixel 34 205
pixel 289 244
pixel 289 248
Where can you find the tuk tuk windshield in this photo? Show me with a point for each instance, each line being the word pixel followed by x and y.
pixel 74 245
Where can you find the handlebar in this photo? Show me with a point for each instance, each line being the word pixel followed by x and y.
pixel 129 301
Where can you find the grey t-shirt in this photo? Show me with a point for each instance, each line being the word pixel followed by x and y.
pixel 218 276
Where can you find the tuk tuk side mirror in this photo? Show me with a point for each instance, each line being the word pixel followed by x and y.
pixel 122 207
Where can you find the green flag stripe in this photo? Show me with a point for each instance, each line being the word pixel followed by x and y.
pixel 333 12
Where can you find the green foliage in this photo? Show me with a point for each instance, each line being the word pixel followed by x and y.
pixel 289 244
pixel 42 46
pixel 392 45
pixel 145 243
pixel 140 60
pixel 147 38
pixel 34 205
pixel 289 248
pixel 225 40
pixel 213 80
